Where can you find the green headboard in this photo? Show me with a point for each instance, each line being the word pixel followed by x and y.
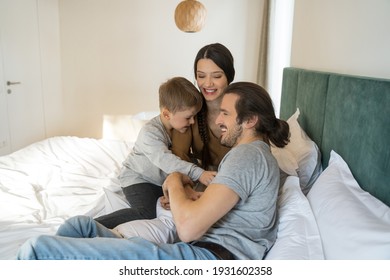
pixel 347 114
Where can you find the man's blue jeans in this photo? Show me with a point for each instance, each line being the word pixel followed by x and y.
pixel 82 238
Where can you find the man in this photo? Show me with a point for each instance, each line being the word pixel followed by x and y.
pixel 235 218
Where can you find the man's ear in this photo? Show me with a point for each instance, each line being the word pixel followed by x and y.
pixel 251 122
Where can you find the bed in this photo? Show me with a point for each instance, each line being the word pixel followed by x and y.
pixel 334 197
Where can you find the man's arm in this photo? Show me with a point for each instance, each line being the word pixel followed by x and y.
pixel 194 218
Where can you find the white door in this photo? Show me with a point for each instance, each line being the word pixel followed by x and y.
pixel 4 130
pixel 21 80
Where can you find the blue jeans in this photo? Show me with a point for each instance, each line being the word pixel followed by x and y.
pixel 82 238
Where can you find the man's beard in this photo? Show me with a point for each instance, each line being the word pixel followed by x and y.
pixel 231 136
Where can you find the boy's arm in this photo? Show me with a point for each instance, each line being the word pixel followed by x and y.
pixel 156 150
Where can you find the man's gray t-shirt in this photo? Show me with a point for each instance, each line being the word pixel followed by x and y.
pixel 249 229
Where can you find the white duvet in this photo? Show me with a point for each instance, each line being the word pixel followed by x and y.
pixel 60 177
pixel 52 180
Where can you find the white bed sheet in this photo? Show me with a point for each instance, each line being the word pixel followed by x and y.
pixel 52 180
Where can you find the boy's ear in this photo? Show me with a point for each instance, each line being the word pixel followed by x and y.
pixel 166 113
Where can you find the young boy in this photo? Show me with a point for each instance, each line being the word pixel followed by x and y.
pixel 151 161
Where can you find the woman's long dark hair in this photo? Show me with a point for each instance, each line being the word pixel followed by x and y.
pixel 223 58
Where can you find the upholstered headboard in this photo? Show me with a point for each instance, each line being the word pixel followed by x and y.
pixel 348 114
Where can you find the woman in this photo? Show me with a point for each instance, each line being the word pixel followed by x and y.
pixel 214 71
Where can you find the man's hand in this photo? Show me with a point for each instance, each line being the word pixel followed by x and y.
pixel 186 183
pixel 173 179
pixel 164 201
pixel 192 194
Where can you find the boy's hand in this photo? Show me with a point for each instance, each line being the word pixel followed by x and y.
pixel 207 177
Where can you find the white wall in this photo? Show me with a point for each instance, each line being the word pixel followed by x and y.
pixel 343 36
pixel 49 36
pixel 109 56
pixel 116 53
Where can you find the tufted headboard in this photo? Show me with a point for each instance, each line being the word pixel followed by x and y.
pixel 348 114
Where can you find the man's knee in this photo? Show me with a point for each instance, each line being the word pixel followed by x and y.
pixel 80 219
pixel 28 250
pixel 77 226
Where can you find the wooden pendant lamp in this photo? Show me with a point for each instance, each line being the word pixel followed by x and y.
pixel 190 16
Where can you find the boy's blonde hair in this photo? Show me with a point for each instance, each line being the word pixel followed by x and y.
pixel 178 94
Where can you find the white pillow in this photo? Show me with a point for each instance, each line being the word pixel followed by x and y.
pixel 353 224
pixel 125 127
pixel 298 237
pixel 300 157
